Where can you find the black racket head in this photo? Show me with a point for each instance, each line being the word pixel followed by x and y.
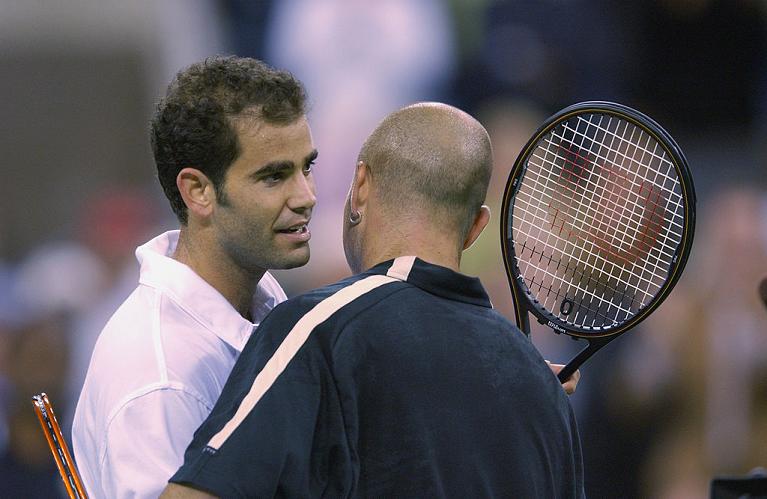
pixel 598 218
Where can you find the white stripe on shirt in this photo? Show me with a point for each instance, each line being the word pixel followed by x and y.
pixel 297 336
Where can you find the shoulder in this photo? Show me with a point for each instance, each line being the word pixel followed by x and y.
pixel 138 352
pixel 315 316
pixel 349 295
pixel 125 343
pixel 298 306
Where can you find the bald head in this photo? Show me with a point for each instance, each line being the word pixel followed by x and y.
pixel 431 159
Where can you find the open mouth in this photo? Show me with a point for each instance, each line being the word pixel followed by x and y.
pixel 296 229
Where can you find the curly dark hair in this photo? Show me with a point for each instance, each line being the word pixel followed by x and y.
pixel 193 124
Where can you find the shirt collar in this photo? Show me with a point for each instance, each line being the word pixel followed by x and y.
pixel 194 295
pixel 442 281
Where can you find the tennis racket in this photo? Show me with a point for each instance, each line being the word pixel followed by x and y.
pixel 58 446
pixel 598 218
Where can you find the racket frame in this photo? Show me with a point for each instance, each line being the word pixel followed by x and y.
pixel 58 446
pixel 524 301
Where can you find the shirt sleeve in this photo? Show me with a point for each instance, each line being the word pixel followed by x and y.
pixel 145 442
pixel 291 443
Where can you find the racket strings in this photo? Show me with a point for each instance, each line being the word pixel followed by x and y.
pixel 592 253
pixel 530 214
pixel 573 173
pixel 582 303
pixel 612 194
pixel 673 194
pixel 566 225
pixel 554 293
pixel 600 197
pixel 570 150
pixel 640 240
pixel 662 168
pixel 568 271
pixel 584 208
pixel 613 132
pixel 643 183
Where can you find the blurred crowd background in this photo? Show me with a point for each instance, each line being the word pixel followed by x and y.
pixel 679 400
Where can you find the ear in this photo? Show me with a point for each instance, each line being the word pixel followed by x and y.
pixel 360 187
pixel 480 222
pixel 197 191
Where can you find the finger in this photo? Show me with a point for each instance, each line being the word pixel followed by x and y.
pixel 572 382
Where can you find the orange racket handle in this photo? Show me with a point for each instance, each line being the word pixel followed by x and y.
pixel 58 446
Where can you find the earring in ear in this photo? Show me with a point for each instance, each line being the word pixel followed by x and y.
pixel 355 217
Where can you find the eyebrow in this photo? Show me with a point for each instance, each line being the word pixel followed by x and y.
pixel 311 156
pixel 279 166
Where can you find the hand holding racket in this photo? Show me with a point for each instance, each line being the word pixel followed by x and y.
pixel 597 223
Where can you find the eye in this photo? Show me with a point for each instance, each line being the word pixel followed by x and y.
pixel 274 178
pixel 308 167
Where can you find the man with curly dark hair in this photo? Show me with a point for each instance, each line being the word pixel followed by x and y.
pixel 234 155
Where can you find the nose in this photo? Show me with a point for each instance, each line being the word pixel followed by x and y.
pixel 302 196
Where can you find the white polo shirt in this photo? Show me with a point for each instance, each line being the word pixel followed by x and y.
pixel 157 369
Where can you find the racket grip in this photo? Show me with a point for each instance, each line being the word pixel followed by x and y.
pixel 568 371
pixel 583 356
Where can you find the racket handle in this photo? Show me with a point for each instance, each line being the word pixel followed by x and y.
pixel 58 447
pixel 582 357
pixel 568 370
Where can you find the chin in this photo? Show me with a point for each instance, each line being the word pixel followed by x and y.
pixel 297 258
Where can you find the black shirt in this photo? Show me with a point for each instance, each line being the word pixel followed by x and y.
pixel 399 385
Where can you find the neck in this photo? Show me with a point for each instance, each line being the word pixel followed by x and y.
pixel 433 246
pixel 198 250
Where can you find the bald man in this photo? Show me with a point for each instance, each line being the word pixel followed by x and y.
pixel 400 381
